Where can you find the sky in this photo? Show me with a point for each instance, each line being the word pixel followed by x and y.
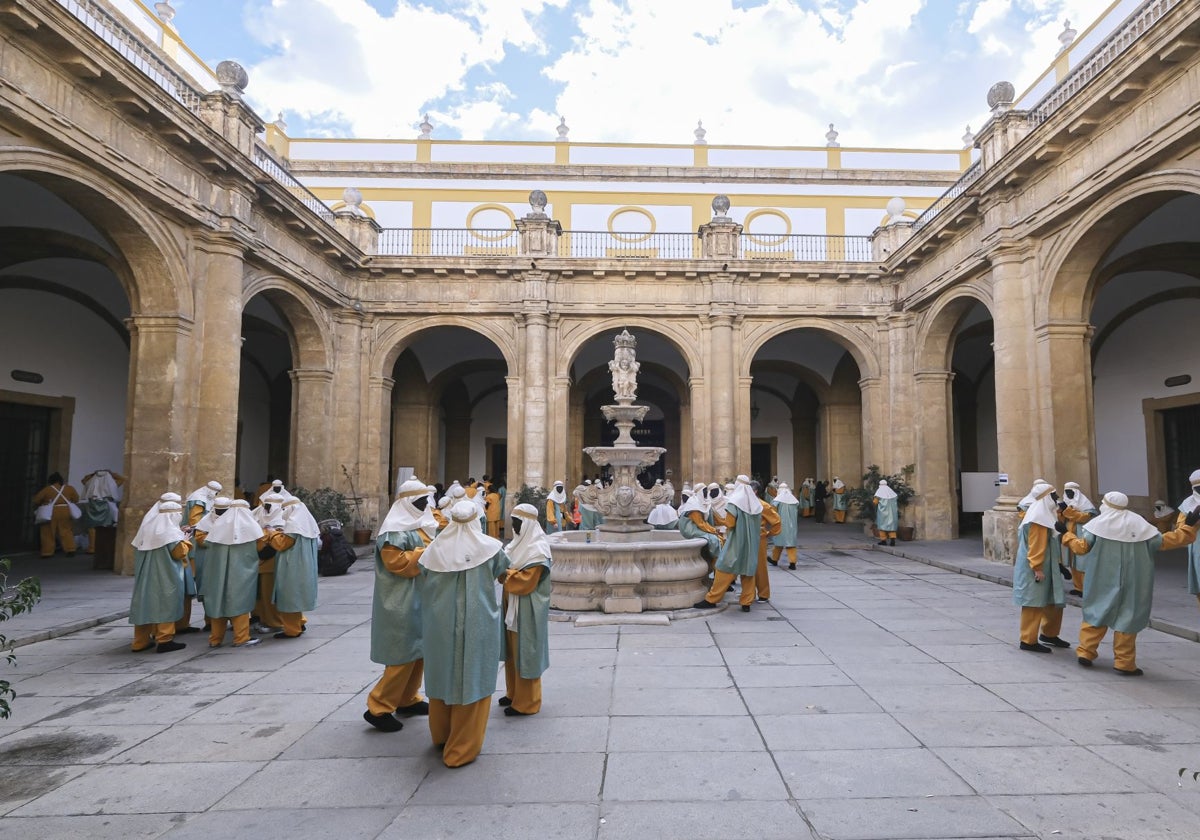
pixel 886 73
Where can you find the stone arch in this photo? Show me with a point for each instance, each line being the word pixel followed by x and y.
pixel 1071 264
pixel 935 333
pixel 145 246
pixel 310 338
pixel 394 338
pixel 670 331
pixel 856 341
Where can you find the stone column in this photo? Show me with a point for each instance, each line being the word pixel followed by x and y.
pixel 566 433
pixel 937 503
pixel 721 397
pixel 870 429
pixel 700 466
pixel 1064 359
pixel 741 455
pixel 842 439
pixel 412 419
pixel 312 394
pixel 1017 402
pixel 375 481
pixel 357 445
pixel 515 468
pixel 158 420
pixel 536 429
pixel 219 362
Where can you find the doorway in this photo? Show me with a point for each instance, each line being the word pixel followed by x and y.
pixel 24 462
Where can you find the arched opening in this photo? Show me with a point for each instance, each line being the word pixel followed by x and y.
pixel 449 407
pixel 806 409
pixel 662 385
pixel 264 396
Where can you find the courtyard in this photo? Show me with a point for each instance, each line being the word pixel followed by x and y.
pixel 874 697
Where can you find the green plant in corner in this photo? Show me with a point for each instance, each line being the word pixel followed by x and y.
pixel 324 503
pixel 862 499
pixel 359 522
pixel 14 600
pixel 535 496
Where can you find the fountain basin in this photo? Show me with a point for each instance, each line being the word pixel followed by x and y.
pixel 650 570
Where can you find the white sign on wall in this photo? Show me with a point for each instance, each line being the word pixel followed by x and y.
pixel 980 490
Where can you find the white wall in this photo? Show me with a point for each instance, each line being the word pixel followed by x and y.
pixel 1132 365
pixel 488 420
pixel 80 356
pixel 775 420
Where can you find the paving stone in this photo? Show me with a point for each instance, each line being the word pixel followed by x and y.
pixel 774 656
pixel 817 700
pixel 772 676
pixel 981 729
pixel 677 701
pixel 684 734
pixel 1128 816
pixel 495 822
pixel 505 779
pixel 1038 770
pixel 924 818
pixel 912 698
pixel 358 739
pixel 266 823
pixel 72 745
pixel 269 708
pixel 215 742
pixel 858 774
pixel 833 732
pixel 692 776
pixel 361 783
pixel 724 820
pixel 126 827
pixel 906 673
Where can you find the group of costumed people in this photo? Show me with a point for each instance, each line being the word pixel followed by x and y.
pixel 58 507
pixel 436 617
pixel 235 560
pixel 1107 552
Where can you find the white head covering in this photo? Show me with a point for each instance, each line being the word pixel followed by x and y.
pixel 456 491
pixel 695 502
pixel 559 494
pixel 163 528
pixel 714 503
pixel 662 514
pixel 101 486
pixel 1116 522
pixel 237 526
pixel 274 517
pixel 1042 510
pixel 429 523
pixel 461 546
pixel 298 519
pixel 838 484
pixel 785 496
pixel 1080 502
pixel 404 515
pixel 1162 509
pixel 1028 500
pixel 205 495
pixel 528 548
pixel 279 490
pixel 1192 501
pixel 883 491
pixel 687 489
pixel 153 511
pixel 742 496
pixel 209 519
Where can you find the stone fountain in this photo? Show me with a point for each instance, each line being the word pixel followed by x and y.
pixel 625 566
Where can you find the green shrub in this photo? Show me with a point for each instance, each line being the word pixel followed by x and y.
pixel 14 600
pixel 862 499
pixel 324 503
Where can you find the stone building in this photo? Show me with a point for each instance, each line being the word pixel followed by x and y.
pixel 188 293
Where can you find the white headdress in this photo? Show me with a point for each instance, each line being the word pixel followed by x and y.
pixel 883 491
pixel 236 526
pixel 153 511
pixel 785 496
pixel 404 515
pixel 1193 500
pixel 298 519
pixel 461 546
pixel 1162 509
pixel 209 519
pixel 742 496
pixel 272 518
pixel 1042 510
pixel 1116 522
pixel 101 486
pixel 559 494
pixel 1080 502
pixel 162 529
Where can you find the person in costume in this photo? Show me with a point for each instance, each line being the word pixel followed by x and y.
pixel 101 494
pixel 396 609
pixel 495 513
pixel 1164 516
pixel 788 507
pixel 769 525
pixel 806 498
pixel 200 551
pixel 229 581
pixel 589 516
pixel 440 513
pixel 1024 504
pixel 60 496
pixel 461 629
pixel 742 516
pixel 841 500
pixel 556 509
pixel 694 524
pixel 526 614
pixel 1119 587
pixel 887 516
pixel 199 502
pixel 663 517
pixel 160 551
pixel 773 488
pixel 820 502
pixel 295 585
pixel 270 516
pixel 1075 509
pixel 1186 507
pixel 1037 585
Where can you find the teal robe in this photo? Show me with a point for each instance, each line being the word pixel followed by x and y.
pixel 739 555
pixel 1193 566
pixel 588 519
pixel 689 530
pixel 396 607
pixel 461 623
pixel 887 517
pixel 805 497
pixel 192 579
pixel 296 576
pixel 789 519
pixel 1027 592
pixel 533 629
pixel 230 579
pixel 841 501
pixel 1119 587
pixel 560 514
pixel 157 587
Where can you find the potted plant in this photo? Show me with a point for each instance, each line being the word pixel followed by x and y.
pixel 862 499
pixel 362 529
pixel 324 503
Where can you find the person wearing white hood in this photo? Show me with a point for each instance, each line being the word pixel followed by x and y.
pixel 739 555
pixel 841 500
pixel 396 642
pixel 557 515
pixel 197 504
pixel 887 515
pixel 1037 586
pixel 101 493
pixel 1119 588
pixel 230 579
pixel 789 517
pixel 295 585
pixel 154 508
pixel 806 497
pixel 526 614
pixel 160 550
pixel 270 516
pixel 694 524
pixel 1024 504
pixel 663 517
pixel 1075 509
pixel 461 632
pixel 199 534
pixel 1191 503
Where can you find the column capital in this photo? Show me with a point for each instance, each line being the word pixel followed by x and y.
pixel 1065 329
pixel 310 375
pixel 1010 251
pixel 869 382
pixel 934 376
pixel 159 323
pixel 384 382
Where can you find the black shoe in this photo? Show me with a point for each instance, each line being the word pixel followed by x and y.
pixel 792 566
pixel 1076 592
pixel 187 630
pixel 384 723
pixel 764 600
pixel 418 708
pixel 282 635
pixel 882 542
pixel 511 712
pixel 745 608
pixel 1036 648
pixel 1136 672
pixel 892 541
pixel 703 605
pixel 504 701
pixel 146 649
pixel 1084 661
pixel 773 562
pixel 167 647
pixel 1054 640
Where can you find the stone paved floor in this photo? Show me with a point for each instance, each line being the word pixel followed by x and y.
pixel 875 697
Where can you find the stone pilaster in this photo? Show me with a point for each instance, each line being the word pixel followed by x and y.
pixel 312 394
pixel 357 445
pixel 722 397
pixel 743 420
pixel 539 237
pixel 230 117
pixel 376 482
pixel 1064 365
pixel 1001 133
pixel 936 506
pixel 871 415
pixel 701 462
pixel 535 399
pixel 360 229
pixel 514 470
pixel 720 239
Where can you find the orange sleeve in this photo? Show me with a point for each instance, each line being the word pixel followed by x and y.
pixel 201 538
pixel 1037 546
pixel 281 541
pixel 402 562
pixel 698 521
pixel 771 523
pixel 196 515
pixel 180 551
pixel 43 496
pixel 1183 535
pixel 523 581
pixel 1077 545
pixel 1075 516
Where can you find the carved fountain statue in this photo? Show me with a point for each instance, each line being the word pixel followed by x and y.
pixel 626 566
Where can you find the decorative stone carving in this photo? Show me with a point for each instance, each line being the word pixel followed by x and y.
pixel 895 209
pixel 720 208
pixel 700 133
pixel 280 123
pixel 968 138
pixel 1066 37
pixel 563 130
pixel 426 128
pixel 1000 96
pixel 537 203
pixel 353 198
pixel 624 368
pixel 165 12
pixel 831 137
pixel 232 77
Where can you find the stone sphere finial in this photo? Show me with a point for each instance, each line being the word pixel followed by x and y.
pixel 831 137
pixel 232 78
pixel 720 207
pixel 165 12
pixel 968 138
pixel 700 133
pixel 352 196
pixel 426 128
pixel 1066 37
pixel 280 123
pixel 538 202
pixel 563 130
pixel 895 209
pixel 1000 96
